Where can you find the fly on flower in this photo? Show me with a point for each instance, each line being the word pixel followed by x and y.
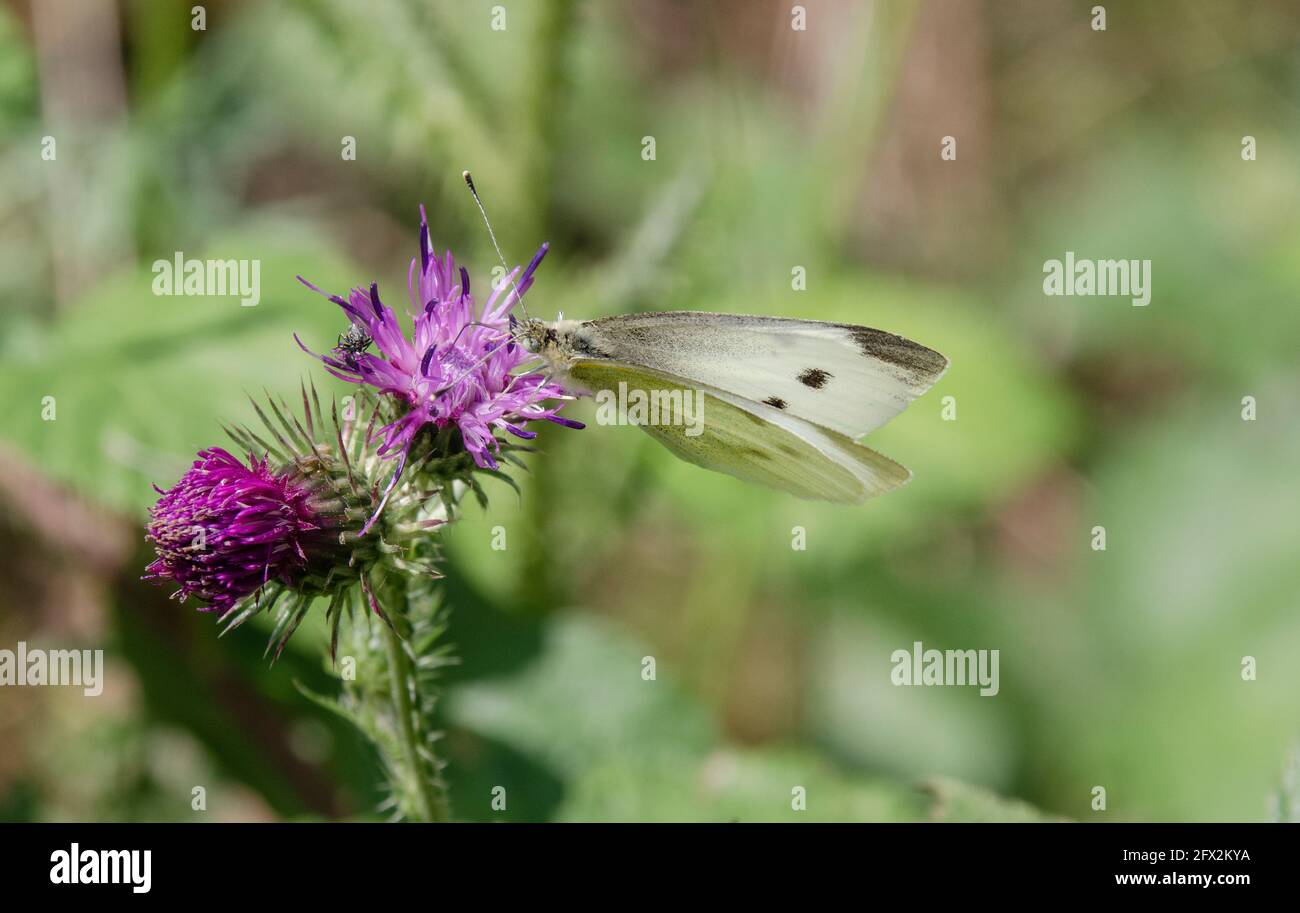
pixel 352 344
pixel 455 368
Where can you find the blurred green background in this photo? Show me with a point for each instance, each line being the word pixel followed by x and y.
pixel 775 148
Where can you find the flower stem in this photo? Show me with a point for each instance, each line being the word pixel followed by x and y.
pixel 431 798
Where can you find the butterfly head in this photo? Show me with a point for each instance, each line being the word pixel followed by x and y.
pixel 537 336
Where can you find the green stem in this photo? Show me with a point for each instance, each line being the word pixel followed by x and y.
pixel 433 805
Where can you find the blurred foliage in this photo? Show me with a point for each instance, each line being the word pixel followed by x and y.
pixel 152 380
pixel 775 149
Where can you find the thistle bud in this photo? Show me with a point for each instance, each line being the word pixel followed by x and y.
pixel 227 529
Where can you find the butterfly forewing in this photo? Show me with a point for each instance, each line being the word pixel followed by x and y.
pixel 845 378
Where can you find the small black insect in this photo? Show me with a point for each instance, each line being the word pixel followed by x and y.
pixel 775 402
pixel 352 344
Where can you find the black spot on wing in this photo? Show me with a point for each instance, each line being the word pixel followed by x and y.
pixel 815 378
pixel 775 402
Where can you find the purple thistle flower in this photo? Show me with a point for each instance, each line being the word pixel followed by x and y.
pixel 226 529
pixel 456 366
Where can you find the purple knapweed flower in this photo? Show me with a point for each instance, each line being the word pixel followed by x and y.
pixel 226 529
pixel 456 366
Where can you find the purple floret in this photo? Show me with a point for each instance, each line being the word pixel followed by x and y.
pixel 456 366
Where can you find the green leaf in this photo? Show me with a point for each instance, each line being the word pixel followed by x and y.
pixel 140 382
pixel 733 785
pixel 631 749
pixel 584 701
pixel 951 800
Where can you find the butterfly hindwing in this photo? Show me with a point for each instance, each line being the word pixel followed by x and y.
pixel 755 442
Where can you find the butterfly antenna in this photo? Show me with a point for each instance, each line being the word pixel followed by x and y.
pixel 519 297
pixel 469 182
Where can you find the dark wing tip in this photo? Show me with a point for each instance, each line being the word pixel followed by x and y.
pixel 898 350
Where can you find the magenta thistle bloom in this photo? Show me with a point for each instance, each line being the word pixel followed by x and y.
pixel 226 529
pixel 455 368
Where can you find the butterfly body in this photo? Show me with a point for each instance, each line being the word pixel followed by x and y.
pixel 785 400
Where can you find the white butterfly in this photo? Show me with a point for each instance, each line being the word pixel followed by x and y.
pixel 783 400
